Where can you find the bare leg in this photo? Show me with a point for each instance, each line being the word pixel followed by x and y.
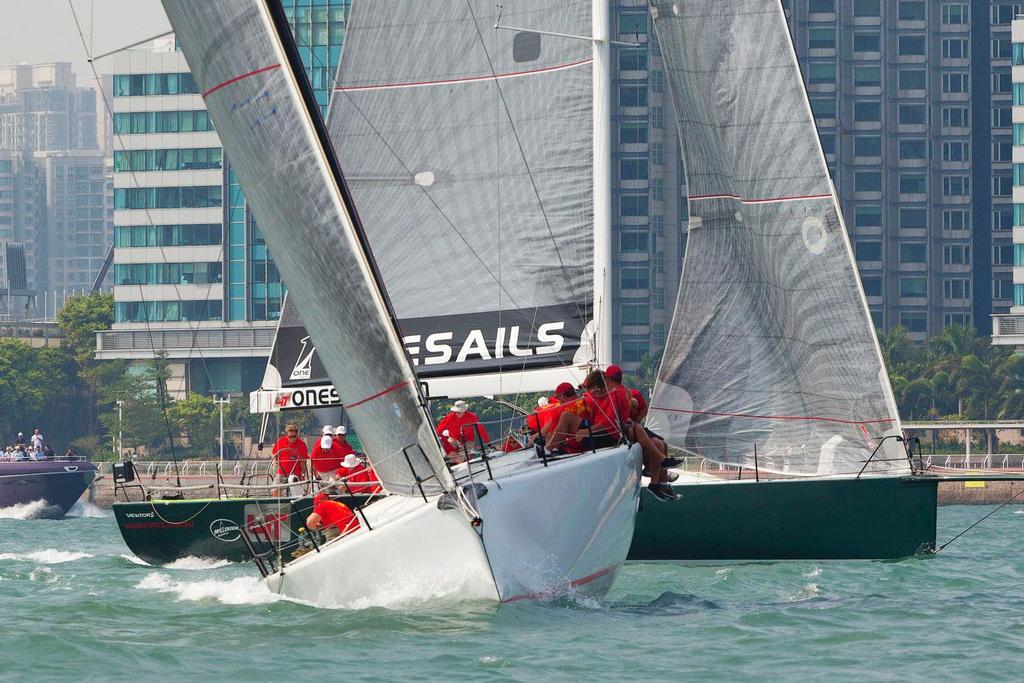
pixel 567 425
pixel 652 454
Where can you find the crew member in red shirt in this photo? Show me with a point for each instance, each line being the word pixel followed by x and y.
pixel 358 476
pixel 604 410
pixel 330 450
pixel 290 452
pixel 458 428
pixel 567 402
pixel 336 519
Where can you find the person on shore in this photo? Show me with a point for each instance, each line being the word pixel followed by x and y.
pixel 291 453
pixel 458 429
pixel 334 518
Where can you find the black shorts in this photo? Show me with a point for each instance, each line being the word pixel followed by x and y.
pixel 653 435
pixel 592 443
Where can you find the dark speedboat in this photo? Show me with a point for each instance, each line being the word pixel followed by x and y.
pixel 59 483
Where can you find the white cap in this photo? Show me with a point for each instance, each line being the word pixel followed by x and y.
pixel 460 407
pixel 325 441
pixel 351 460
pixel 341 430
pixel 328 429
pixel 542 402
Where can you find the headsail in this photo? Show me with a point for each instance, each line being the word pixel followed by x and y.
pixel 255 92
pixel 469 152
pixel 771 343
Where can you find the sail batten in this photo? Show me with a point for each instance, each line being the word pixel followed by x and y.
pixel 283 162
pixel 469 152
pixel 771 358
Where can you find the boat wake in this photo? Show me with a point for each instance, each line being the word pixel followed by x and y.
pixel 83 509
pixel 134 559
pixel 244 590
pixel 668 604
pixel 197 563
pixel 37 509
pixel 48 556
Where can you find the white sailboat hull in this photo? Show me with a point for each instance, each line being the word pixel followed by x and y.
pixel 545 532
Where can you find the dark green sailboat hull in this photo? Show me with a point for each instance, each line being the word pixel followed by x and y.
pixel 877 519
pixel 790 519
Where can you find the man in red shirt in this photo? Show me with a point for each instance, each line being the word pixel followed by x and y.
pixel 605 413
pixel 336 519
pixel 459 428
pixel 358 476
pixel 655 449
pixel 330 450
pixel 290 452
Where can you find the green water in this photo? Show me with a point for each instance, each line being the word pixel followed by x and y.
pixel 75 606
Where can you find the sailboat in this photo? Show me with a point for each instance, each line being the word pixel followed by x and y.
pixel 509 528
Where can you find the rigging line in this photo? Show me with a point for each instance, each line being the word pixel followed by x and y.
pixel 1004 504
pixel 526 163
pixel 108 108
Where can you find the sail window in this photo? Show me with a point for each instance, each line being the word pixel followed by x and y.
pixel 424 178
pixel 526 47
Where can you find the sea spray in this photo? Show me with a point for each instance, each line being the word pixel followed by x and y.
pixel 245 590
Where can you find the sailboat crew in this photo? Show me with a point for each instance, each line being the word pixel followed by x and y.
pixel 330 450
pixel 656 459
pixel 460 427
pixel 336 519
pixel 358 476
pixel 599 425
pixel 291 453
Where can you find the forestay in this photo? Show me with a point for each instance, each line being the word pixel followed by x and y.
pixel 469 152
pixel 251 90
pixel 771 344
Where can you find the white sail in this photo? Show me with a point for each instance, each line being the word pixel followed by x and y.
pixel 470 154
pixel 251 85
pixel 771 348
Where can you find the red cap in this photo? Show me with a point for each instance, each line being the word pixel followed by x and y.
pixel 564 388
pixel 320 496
pixel 614 373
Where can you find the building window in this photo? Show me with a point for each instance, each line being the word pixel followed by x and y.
pixel 1004 14
pixel 872 285
pixel 1018 54
pixel 956 151
pixel 955 14
pixel 867 146
pixel 913 219
pixel 1002 186
pixel 956 220
pixel 167 159
pixel 658 189
pixel 133 85
pixel 1001 48
pixel 867 112
pixel 658 154
pixel 632 134
pixel 658 299
pixel 1001 151
pixel 1002 254
pixel 1018 255
pixel 633 169
pixel 632 96
pixel 956 186
pixel 956 319
pixel 633 241
pixel 913 286
pixel 956 254
pixel 912 114
pixel 823 107
pixel 1002 218
pixel 912 79
pixel 633 205
pixel 1018 175
pixel 634 351
pixel 635 315
pixel 821 72
pixel 913 183
pixel 635 278
pixel 1002 288
pixel 167 235
pixel 913 149
pixel 1018 133
pixel 1001 83
pixel 869 250
pixel 955 117
pixel 167 197
pixel 868 216
pixel 657 117
pixel 867 8
pixel 828 146
pixel 658 224
pixel 955 48
pixel 167 273
pixel 130 123
pixel 911 10
pixel 913 252
pixel 867 181
pixel 911 45
pixel 167 311
pixel 633 23
pixel 1002 117
pixel 822 6
pixel 914 322
pixel 867 76
pixel 633 60
pixel 867 42
pixel 822 38
pixel 658 80
pixel 953 83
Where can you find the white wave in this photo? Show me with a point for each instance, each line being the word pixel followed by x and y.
pixel 86 510
pixel 812 573
pixel 43 575
pixel 809 591
pixel 25 510
pixel 134 559
pixel 48 556
pixel 245 590
pixel 192 562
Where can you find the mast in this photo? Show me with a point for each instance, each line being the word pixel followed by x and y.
pixel 600 16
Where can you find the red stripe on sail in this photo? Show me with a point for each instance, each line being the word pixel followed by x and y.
pixel 238 78
pixel 377 395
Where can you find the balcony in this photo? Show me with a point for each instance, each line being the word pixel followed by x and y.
pixel 183 343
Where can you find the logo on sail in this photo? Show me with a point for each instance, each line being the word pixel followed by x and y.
pixel 304 364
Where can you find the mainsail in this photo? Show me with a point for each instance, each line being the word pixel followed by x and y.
pixel 254 88
pixel 771 348
pixel 469 151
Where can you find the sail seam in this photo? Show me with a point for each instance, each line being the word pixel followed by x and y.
pixel 765 200
pixel 465 79
pixel 377 395
pixel 239 78
pixel 809 418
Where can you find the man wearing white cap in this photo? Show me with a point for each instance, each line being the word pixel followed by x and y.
pixel 358 476
pixel 460 426
pixel 328 452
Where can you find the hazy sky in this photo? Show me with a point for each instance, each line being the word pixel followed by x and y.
pixel 44 30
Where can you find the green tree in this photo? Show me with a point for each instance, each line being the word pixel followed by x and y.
pixel 79 320
pixel 198 417
pixel 32 387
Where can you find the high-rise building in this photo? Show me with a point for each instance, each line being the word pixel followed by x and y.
pixel 1008 328
pixel 42 109
pixel 191 273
